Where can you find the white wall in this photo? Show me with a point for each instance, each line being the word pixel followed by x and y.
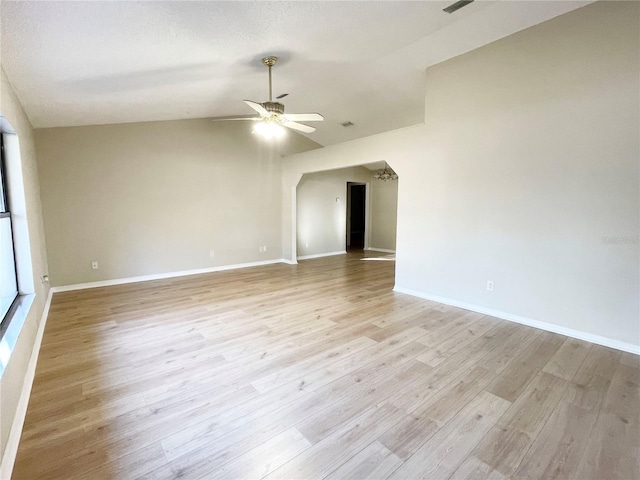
pixel 158 197
pixel 13 376
pixel 384 213
pixel 525 169
pixel 321 218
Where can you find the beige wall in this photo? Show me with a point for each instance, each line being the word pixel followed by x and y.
pixel 322 219
pixel 158 197
pixel 384 213
pixel 526 168
pixel 393 146
pixel 14 374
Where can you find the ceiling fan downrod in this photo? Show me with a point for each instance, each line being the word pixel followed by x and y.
pixel 271 106
pixel 270 62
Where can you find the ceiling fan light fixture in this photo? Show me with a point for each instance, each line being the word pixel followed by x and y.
pixel 268 129
pixel 385 174
pixel 273 122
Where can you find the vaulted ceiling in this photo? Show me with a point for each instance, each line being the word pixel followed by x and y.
pixel 96 62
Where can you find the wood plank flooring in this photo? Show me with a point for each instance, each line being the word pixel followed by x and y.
pixel 317 370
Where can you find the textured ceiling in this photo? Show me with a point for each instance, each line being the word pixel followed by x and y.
pixel 94 62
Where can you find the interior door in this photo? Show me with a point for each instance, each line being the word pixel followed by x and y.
pixel 356 219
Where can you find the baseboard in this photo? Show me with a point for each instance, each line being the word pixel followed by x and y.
pixel 549 327
pixel 288 262
pixel 11 449
pixel 161 276
pixel 319 255
pixel 384 250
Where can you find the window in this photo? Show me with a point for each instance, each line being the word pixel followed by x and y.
pixel 8 277
pixel 17 291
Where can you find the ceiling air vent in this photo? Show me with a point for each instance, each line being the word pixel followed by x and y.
pixel 457 6
pixel 347 124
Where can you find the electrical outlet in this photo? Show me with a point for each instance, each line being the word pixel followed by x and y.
pixel 490 285
pixel 264 248
pixel 212 253
pixel 94 265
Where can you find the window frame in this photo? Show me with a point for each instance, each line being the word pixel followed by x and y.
pixel 5 212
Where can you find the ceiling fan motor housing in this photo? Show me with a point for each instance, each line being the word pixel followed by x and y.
pixel 273 107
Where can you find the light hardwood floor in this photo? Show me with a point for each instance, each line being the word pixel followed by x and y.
pixel 317 371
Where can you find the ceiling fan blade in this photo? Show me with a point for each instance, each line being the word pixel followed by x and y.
pixel 304 117
pixel 258 108
pixel 235 117
pixel 299 126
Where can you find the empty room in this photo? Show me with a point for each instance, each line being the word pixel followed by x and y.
pixel 319 240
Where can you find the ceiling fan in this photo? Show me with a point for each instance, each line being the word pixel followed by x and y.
pixel 272 118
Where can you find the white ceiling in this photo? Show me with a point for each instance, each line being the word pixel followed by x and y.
pixel 95 62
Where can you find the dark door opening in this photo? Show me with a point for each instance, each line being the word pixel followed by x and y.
pixel 356 209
